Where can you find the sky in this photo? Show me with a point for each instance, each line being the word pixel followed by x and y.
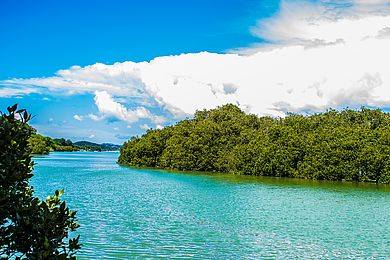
pixel 104 71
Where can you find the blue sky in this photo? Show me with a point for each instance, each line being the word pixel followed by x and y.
pixel 106 70
pixel 43 37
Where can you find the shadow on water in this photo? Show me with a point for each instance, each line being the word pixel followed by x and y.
pixel 234 178
pixel 282 181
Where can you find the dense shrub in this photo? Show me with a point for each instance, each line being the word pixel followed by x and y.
pixel 335 145
pixel 29 228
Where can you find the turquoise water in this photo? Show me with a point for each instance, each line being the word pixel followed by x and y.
pixel 129 213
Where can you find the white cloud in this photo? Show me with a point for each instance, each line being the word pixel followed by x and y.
pixel 317 56
pixel 8 91
pixel 91 136
pixel 384 33
pixel 109 107
pixel 145 126
pixel 310 24
pixel 95 117
pixel 119 78
pixel 90 116
pixel 378 6
pixel 78 117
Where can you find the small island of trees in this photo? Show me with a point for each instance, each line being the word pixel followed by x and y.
pixel 334 145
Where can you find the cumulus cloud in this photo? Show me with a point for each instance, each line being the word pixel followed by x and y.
pixel 78 117
pixel 145 126
pixel 108 107
pixel 95 117
pixel 384 33
pixel 316 56
pixel 323 23
pixel 120 78
pixel 90 116
pixel 12 91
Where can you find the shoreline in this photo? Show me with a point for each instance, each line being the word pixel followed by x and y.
pixel 261 178
pixel 40 154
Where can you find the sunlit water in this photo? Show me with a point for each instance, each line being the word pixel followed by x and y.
pixel 129 213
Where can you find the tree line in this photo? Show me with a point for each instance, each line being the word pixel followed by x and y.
pixel 40 144
pixel 349 145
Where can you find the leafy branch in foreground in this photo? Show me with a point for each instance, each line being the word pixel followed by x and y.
pixel 29 228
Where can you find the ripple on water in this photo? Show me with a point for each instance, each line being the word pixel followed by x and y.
pixel 133 213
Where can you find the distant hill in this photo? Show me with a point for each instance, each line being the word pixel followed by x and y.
pixel 43 145
pixel 89 146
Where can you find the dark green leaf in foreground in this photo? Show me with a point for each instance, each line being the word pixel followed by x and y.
pixel 29 228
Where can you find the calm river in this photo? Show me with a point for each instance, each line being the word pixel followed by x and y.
pixel 128 213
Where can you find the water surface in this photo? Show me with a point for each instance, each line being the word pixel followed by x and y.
pixel 129 213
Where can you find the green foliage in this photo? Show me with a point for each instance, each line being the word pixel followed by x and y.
pixel 29 228
pixel 43 145
pixel 40 144
pixel 89 146
pixel 346 145
pixel 62 145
